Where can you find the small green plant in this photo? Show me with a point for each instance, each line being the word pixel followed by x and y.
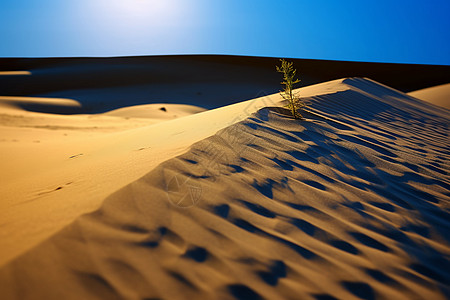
pixel 289 80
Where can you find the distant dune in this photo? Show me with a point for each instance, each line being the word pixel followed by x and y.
pixel 238 202
pixel 103 84
pixel 437 95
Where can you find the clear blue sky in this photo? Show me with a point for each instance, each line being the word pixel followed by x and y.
pixel 379 30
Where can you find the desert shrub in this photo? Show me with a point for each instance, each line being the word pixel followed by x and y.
pixel 295 103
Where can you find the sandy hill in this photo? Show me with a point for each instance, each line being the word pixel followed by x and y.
pixel 55 167
pixel 103 84
pixel 351 203
pixel 437 95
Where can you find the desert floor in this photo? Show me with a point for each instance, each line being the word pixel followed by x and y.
pixel 147 182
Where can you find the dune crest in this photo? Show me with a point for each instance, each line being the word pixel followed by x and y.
pixel 14 73
pixel 352 203
pixel 16 102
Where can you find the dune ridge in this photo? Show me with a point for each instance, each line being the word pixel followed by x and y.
pixel 352 203
pixel 14 73
pixel 57 167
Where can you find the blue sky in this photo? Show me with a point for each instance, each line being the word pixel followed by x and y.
pixel 378 31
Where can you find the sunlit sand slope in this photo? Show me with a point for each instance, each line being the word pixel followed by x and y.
pixel 437 95
pixel 53 168
pixel 351 203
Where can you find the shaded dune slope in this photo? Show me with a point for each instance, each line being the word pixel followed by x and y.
pixel 351 203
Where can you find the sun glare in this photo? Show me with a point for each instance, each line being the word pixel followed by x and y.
pixel 137 7
pixel 121 16
pixel 150 11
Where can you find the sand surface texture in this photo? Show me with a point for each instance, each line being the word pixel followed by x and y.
pixel 437 95
pixel 54 168
pixel 351 203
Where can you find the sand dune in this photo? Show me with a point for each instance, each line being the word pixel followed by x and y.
pixel 208 81
pixel 351 203
pixel 156 111
pixel 44 102
pixel 14 73
pixel 56 167
pixel 437 95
